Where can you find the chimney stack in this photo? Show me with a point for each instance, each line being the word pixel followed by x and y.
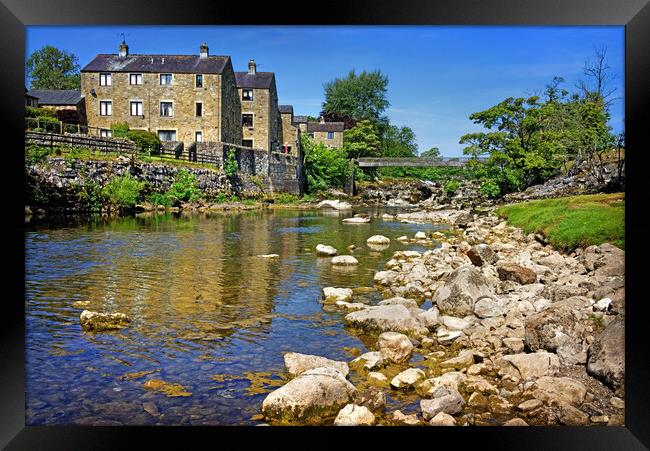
pixel 322 119
pixel 203 51
pixel 252 67
pixel 124 49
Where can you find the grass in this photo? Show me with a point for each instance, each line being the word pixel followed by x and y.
pixel 571 222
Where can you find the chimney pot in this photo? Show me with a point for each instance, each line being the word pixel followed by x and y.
pixel 203 50
pixel 252 67
pixel 124 49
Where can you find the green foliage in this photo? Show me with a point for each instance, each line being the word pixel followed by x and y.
pixel 91 196
pixel 257 181
pixel 185 188
pixel 435 174
pixel 36 154
pixel 325 167
pixel 122 192
pixel 359 97
pixel 30 111
pixel 120 129
pixel 285 198
pixel 147 142
pixel 490 189
pixel 431 154
pixel 52 68
pixel 571 222
pixel 398 142
pixel 451 187
pixel 160 199
pixel 221 198
pixel 362 140
pixel 230 165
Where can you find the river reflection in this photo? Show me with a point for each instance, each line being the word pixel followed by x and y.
pixel 208 312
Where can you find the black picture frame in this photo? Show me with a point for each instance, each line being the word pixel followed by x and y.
pixel 16 14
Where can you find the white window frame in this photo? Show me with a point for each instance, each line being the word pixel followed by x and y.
pixel 168 130
pixel 136 75
pixel 135 101
pixel 198 133
pixel 247 113
pixel 242 95
pixel 105 79
pixel 160 108
pixel 160 79
pixel 202 111
pixel 105 133
pixel 109 107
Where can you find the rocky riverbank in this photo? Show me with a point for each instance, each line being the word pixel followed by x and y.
pixel 517 334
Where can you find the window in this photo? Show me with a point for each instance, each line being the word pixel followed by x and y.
pixel 166 108
pixel 105 108
pixel 330 135
pixel 199 80
pixel 198 137
pixel 247 120
pixel 167 135
pixel 247 142
pixel 104 79
pixel 247 94
pixel 166 79
pixel 136 109
pixel 135 79
pixel 199 109
pixel 105 133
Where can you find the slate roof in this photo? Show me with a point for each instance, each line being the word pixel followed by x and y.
pixel 325 127
pixel 286 109
pixel 188 64
pixel 56 96
pixel 300 119
pixel 258 80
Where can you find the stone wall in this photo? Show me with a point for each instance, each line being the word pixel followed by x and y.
pixel 321 137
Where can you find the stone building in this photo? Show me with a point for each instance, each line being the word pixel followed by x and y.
pixel 328 133
pixel 301 122
pixel 59 99
pixel 186 98
pixel 260 117
pixel 290 130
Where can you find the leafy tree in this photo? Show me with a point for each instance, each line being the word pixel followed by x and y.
pixel 147 142
pixel 431 154
pixel 362 140
pixel 325 167
pixel 52 68
pixel 357 97
pixel 398 142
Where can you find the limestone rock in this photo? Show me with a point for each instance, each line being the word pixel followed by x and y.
pixel 354 415
pixel 489 306
pixel 337 294
pixel 335 204
pixel 516 273
pixel 370 360
pixel 344 260
pixel 529 366
pixel 386 318
pixel 442 419
pixel 515 422
pixel 445 400
pixel 395 347
pixel 408 378
pixel 97 322
pixel 377 377
pixel 372 398
pixel 482 254
pixel 297 364
pixel 408 420
pixel 420 236
pixel 378 239
pixel 323 249
pixel 559 389
pixel 606 355
pixel 356 220
pixel 460 292
pixel 314 395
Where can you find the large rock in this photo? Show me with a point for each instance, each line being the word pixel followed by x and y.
pixel 378 239
pixel 344 260
pixel 386 277
pixel 529 366
pixel 408 378
pixel 606 355
pixel 445 400
pixel 370 360
pixel 311 398
pixel 97 322
pixel 516 273
pixel 325 250
pixel 559 389
pixel 337 294
pixel 443 419
pixel 297 364
pixel 354 415
pixel 356 220
pixel 395 347
pixel 387 318
pixel 490 306
pixel 461 291
pixel 335 204
pixel 482 254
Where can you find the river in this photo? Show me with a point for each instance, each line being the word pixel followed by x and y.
pixel 207 312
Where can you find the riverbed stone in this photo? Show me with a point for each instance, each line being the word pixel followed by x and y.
pixel 344 260
pixel 408 379
pixel 407 420
pixel 460 292
pixel 325 250
pixel 386 318
pixel 606 355
pixel 395 347
pixel 354 415
pixel 559 389
pixel 516 273
pixel 372 398
pixel 310 398
pixel 490 306
pixel 515 422
pixel 420 236
pixel 296 363
pixel 377 378
pixel 335 204
pixel 370 360
pixel 356 220
pixel 337 294
pixel 98 322
pixel 378 239
pixel 445 400
pixel 442 419
pixel 482 254
pixel 528 366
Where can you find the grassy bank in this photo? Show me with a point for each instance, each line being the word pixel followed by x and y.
pixel 574 221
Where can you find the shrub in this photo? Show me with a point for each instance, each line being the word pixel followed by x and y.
pixel 122 192
pixel 490 189
pixel 325 167
pixel 68 116
pixel 185 188
pixel 39 112
pixel 160 199
pixel 91 196
pixel 36 154
pixel 285 198
pixel 451 187
pixel 230 166
pixel 221 198
pixel 120 129
pixel 147 142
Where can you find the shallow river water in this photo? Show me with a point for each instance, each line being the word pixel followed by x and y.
pixel 207 312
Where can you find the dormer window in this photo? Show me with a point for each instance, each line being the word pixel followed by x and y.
pixel 104 79
pixel 165 79
pixel 135 79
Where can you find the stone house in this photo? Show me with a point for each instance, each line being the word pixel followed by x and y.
pixel 290 130
pixel 59 99
pixel 187 98
pixel 301 122
pixel 328 133
pixel 30 100
pixel 260 116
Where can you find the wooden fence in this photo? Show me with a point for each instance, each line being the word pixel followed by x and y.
pixel 118 145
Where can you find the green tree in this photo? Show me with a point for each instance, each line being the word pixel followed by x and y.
pixel 358 97
pixel 398 142
pixel 52 68
pixel 325 167
pixel 362 140
pixel 432 154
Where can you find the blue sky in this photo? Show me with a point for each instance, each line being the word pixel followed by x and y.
pixel 438 75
